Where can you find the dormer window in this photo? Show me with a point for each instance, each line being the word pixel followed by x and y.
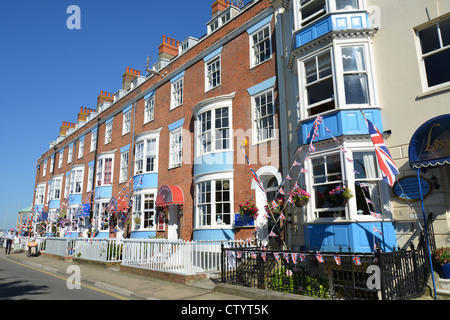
pixel 222 18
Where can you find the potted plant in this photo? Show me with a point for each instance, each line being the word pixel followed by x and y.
pixel 442 257
pixel 275 209
pixel 137 222
pixel 340 195
pixel 249 209
pixel 300 197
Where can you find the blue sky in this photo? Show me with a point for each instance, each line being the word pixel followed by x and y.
pixel 48 71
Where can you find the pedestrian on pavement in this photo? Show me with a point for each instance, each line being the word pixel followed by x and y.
pixel 16 242
pixel 9 241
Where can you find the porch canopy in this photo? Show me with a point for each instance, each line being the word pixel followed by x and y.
pixel 430 144
pixel 169 195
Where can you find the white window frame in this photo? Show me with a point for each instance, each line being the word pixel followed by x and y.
pixel 70 154
pixel 101 163
pixel 108 132
pixel 76 180
pixel 338 99
pixel 139 209
pixel 329 7
pixel 94 140
pixel 227 176
pixel 126 127
pixel 254 55
pixel 213 71
pixel 255 120
pixel 40 193
pixel 176 148
pixel 149 110
pixel 44 169
pixel 55 188
pixel 80 148
pixel 141 153
pixel 60 160
pixel 52 164
pixel 212 132
pixel 177 93
pixel 90 178
pixel 124 161
pixel 422 56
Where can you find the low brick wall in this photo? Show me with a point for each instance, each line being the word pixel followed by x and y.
pixel 166 276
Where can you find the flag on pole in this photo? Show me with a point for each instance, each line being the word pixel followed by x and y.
pixel 255 176
pixel 388 168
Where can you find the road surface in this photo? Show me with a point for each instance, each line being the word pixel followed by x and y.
pixel 19 281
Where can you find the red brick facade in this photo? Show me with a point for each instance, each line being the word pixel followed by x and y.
pixel 237 76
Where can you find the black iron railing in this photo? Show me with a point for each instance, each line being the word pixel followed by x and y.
pixel 396 275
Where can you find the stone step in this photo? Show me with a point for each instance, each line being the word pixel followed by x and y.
pixel 444 284
pixel 443 294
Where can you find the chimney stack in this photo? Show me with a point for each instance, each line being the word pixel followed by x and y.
pixel 84 112
pixel 66 126
pixel 129 75
pixel 168 49
pixel 105 97
pixel 219 6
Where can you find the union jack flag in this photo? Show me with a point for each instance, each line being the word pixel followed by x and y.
pixel 276 256
pixel 296 186
pixel 281 191
pixel 304 170
pixel 263 255
pixel 369 201
pixel 296 163
pixel 255 176
pixel 272 234
pixel 266 215
pixel 388 168
pixel 282 217
pixel 253 254
pixel 294 257
pixel 337 259
pixel 356 260
pixel 302 257
pixel 288 177
pixel 375 229
pixel 290 200
pixel 286 257
pixel 239 254
pixel 319 257
pixel 375 215
pixel 274 204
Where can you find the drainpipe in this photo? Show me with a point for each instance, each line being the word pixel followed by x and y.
pixel 94 173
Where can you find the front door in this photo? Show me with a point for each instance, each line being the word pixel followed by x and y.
pixel 173 231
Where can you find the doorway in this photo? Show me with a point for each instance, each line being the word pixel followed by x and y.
pixel 173 230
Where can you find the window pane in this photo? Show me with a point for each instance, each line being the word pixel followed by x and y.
pixel 445 31
pixel 353 59
pixel 310 68
pixel 320 91
pixel 356 89
pixel 346 4
pixel 429 39
pixel 437 67
pixel 365 165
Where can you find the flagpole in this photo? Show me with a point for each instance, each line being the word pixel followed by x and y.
pixel 426 233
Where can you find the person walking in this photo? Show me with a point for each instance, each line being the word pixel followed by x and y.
pixel 9 241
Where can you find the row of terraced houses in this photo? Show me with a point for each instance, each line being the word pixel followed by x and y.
pixel 165 150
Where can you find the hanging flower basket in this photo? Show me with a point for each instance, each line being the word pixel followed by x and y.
pixel 340 196
pixel 300 197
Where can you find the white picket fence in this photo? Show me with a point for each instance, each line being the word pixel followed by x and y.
pixel 181 257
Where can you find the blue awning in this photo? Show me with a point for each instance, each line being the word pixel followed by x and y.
pixel 430 144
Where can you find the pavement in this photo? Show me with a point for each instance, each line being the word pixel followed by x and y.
pixel 128 285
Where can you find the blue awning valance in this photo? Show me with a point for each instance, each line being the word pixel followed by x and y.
pixel 430 144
